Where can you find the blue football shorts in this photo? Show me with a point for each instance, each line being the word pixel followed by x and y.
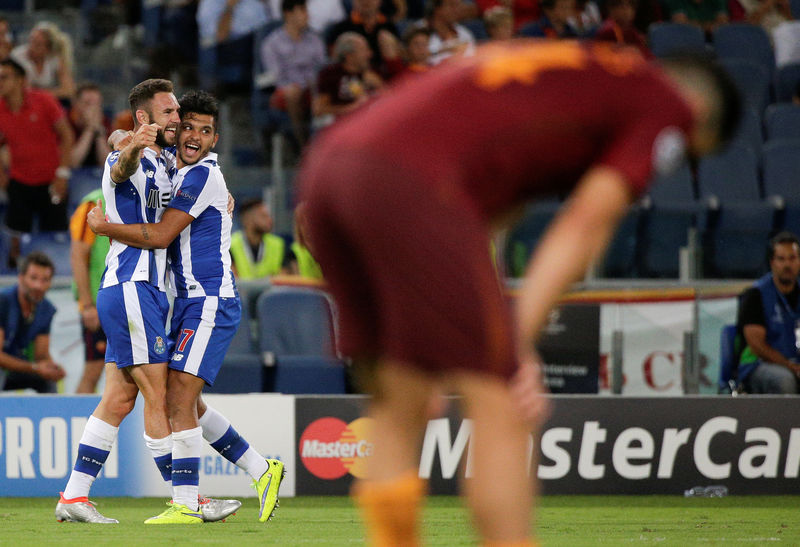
pixel 201 331
pixel 133 315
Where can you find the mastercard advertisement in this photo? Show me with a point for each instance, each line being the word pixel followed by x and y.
pixel 334 444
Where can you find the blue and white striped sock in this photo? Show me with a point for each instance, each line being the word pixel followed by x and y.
pixel 96 442
pixel 187 446
pixel 161 449
pixel 223 438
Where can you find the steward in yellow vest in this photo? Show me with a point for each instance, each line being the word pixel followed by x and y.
pixel 268 261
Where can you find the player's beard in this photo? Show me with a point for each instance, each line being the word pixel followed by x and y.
pixel 161 139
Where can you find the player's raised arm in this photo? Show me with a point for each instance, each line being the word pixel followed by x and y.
pixel 128 160
pixel 579 235
pixel 157 235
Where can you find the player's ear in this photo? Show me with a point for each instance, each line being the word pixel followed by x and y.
pixel 216 138
pixel 142 117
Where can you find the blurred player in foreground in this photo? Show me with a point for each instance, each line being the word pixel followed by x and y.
pixel 401 196
pixel 196 228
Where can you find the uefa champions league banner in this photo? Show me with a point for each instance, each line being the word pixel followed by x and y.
pixel 590 445
pixel 39 436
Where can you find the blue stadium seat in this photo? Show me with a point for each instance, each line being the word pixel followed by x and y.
pixel 795 6
pixel 524 236
pixel 737 241
pixel 745 42
pixel 729 176
pixel 668 38
pixel 782 121
pixel 676 187
pixel 786 81
pixel 727 360
pixel 752 79
pixel 781 165
pixel 750 134
pixel 672 211
pixel 296 336
pixel 621 257
pixel 53 244
pixel 665 230
pixel 242 369
pixel 300 374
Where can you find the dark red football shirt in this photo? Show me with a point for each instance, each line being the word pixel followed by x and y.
pixel 520 121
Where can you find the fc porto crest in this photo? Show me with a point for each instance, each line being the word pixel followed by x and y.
pixel 159 347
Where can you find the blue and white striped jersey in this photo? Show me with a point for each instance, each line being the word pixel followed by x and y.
pixel 199 258
pixel 141 198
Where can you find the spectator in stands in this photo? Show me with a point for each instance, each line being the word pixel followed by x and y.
pixel 586 19
pixel 367 20
pixel 346 84
pixel 255 252
pixel 6 39
pixel 416 40
pixel 321 13
pixel 221 21
pixel 394 10
pixel 499 22
pixel 619 28
pixel 91 127
pixel 767 13
pixel 39 139
pixel 448 37
pixel 706 14
pixel 554 22
pixel 301 262
pixel 25 318
pixel 292 56
pixel 796 95
pixel 48 60
pixel 769 322
pixel 229 26
pixel 87 258
pixel 523 11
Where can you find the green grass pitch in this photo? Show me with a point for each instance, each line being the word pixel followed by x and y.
pixel 562 520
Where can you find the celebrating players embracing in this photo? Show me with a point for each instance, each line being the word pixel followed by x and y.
pixel 196 228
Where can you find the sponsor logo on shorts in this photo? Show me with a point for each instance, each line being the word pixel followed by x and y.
pixel 330 448
pixel 159 346
pixel 177 357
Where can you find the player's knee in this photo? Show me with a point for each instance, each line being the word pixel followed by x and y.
pixel 120 407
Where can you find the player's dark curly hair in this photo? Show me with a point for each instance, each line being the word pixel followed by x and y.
pixel 200 102
pixel 728 102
